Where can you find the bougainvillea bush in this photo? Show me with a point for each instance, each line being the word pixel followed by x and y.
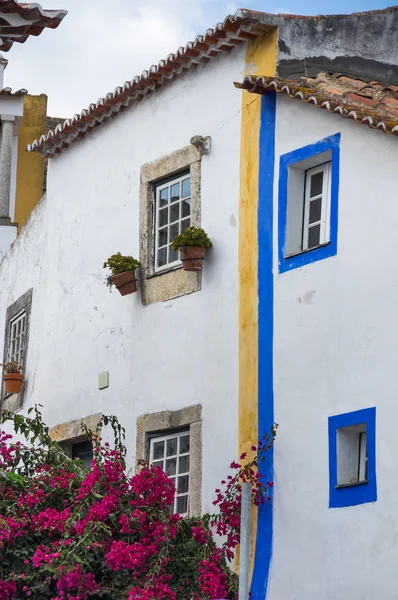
pixel 72 534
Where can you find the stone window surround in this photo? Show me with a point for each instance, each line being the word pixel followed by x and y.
pixel 173 282
pixel 14 402
pixel 165 422
pixel 71 432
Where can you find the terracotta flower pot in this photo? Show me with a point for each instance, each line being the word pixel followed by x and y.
pixel 192 257
pixel 125 282
pixel 13 382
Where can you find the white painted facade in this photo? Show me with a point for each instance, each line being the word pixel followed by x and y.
pixel 163 356
pixel 335 346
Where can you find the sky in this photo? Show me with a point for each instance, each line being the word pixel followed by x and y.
pixel 102 43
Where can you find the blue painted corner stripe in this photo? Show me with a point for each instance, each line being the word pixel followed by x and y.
pixel 265 332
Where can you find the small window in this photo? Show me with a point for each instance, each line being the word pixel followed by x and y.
pixel 83 451
pixel 173 216
pixel 172 454
pixel 16 347
pixel 316 207
pixel 308 203
pixel 16 342
pixel 352 456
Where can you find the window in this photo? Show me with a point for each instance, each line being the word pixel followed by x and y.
pixel 16 346
pixel 170 200
pixel 173 216
pixel 316 207
pixel 84 451
pixel 16 338
pixel 352 458
pixel 308 202
pixel 172 439
pixel 171 453
pixel 351 455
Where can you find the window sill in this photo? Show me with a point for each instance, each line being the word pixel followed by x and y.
pixel 306 257
pixel 169 284
pixel 342 486
pixel 287 256
pixel 159 273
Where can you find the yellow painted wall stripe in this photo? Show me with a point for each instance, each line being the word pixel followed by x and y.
pixel 261 56
pixel 30 165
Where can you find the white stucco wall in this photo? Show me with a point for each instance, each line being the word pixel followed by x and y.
pixel 335 347
pixel 163 356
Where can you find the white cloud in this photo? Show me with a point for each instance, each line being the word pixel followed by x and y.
pixel 102 43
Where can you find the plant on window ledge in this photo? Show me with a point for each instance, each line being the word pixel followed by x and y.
pixel 192 244
pixel 13 377
pixel 123 273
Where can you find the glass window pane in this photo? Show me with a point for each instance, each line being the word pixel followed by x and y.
pixel 316 184
pixel 183 464
pixel 314 236
pixel 84 452
pixel 162 257
pixel 162 237
pixel 158 450
pixel 183 484
pixel 164 197
pixel 173 255
pixel 174 229
pixel 171 466
pixel 171 447
pixel 184 224
pixel 186 208
pixel 174 212
pixel 163 218
pixel 158 463
pixel 186 187
pixel 184 444
pixel 315 210
pixel 175 192
pixel 182 505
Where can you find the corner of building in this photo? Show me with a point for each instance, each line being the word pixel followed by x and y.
pixel 261 59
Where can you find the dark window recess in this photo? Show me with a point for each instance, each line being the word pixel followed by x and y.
pixel 83 451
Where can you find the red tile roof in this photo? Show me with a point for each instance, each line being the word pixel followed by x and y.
pixel 234 31
pixel 32 19
pixel 371 103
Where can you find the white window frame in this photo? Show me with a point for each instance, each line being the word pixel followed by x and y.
pixel 162 186
pixel 362 457
pixel 325 195
pixel 18 355
pixel 152 461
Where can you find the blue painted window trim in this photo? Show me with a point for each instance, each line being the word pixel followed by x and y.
pixel 264 540
pixel 364 492
pixel 309 256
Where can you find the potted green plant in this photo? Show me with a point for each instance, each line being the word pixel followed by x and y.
pixel 192 244
pixel 123 273
pixel 13 378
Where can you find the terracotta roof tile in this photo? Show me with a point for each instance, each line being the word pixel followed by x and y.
pixel 373 103
pixel 29 18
